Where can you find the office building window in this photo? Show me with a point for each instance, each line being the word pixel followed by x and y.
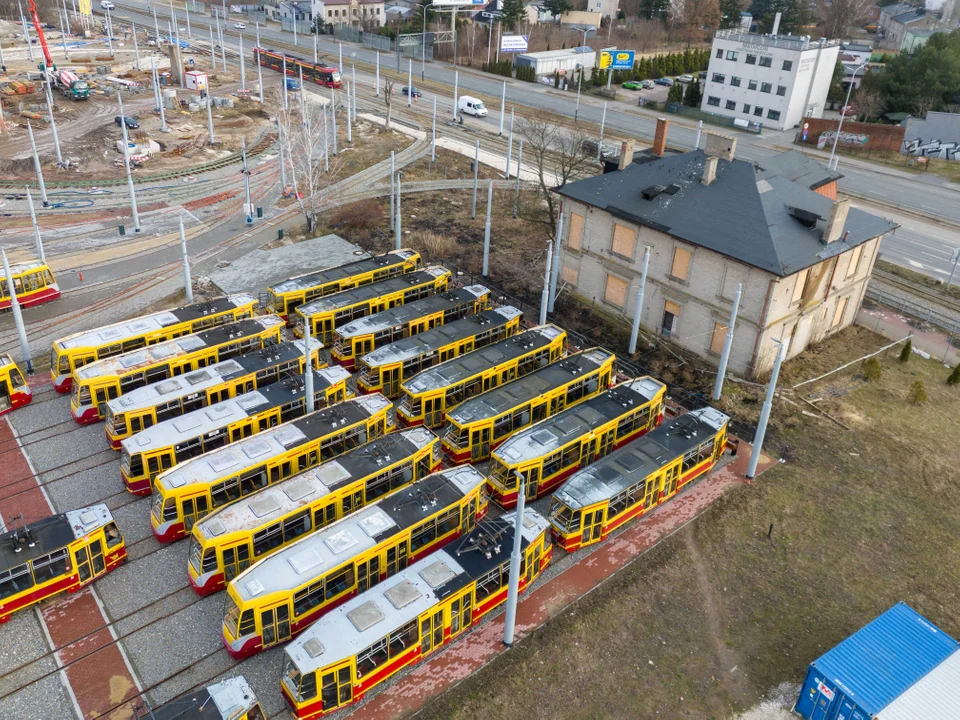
pixel 731 105
pixel 788 65
pixel 758 111
pixel 746 108
pixel 751 59
pixel 766 61
pixel 751 85
pixel 715 101
pixel 735 82
pixel 773 114
pixel 732 55
pixel 781 90
pixel 719 78
pixel 766 87
pixel 719 53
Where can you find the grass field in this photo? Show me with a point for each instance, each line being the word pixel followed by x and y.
pixel 714 619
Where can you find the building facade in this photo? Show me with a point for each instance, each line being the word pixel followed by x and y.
pixel 355 13
pixel 896 20
pixel 714 223
pixel 775 80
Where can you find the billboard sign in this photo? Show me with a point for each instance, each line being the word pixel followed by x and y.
pixel 614 59
pixel 514 43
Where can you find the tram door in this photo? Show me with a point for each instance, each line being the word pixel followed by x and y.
pixel 391 381
pixel 605 444
pixel 89 560
pixel 193 509
pixel 431 632
pixel 336 688
pixel 433 411
pixel 533 480
pixel 592 526
pixel 368 573
pixel 480 444
pixel 275 624
pixel 4 393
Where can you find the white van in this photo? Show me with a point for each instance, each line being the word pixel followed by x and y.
pixel 106 5
pixel 471 106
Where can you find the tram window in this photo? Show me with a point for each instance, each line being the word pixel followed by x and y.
pixel 253 480
pixel 371 658
pixel 169 410
pixel 135 424
pixel 423 535
pixel 448 521
pixel 136 465
pixel 705 451
pixel 502 426
pixel 153 465
pixel 378 486
pixel 186 450
pixel 51 566
pixel 48 276
pixel 308 598
pixel 108 351
pixel 592 385
pixel 130 382
pixel 552 464
pixel 618 504
pixel 339 581
pixel 248 625
pixel 325 515
pixel 403 638
pixel 539 412
pixel 157 373
pixel 571 455
pixel 489 584
pixel 296 526
pixel 225 492
pixel 267 539
pixel 15 580
pixel 308 686
pixel 112 534
pixel 134 344
pixel 165 462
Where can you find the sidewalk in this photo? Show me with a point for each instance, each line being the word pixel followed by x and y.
pixel 893 325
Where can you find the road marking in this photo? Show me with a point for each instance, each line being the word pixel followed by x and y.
pixel 915 263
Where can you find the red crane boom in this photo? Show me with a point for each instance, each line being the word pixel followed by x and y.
pixel 32 6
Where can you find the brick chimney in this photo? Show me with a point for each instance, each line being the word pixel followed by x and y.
pixel 660 138
pixel 838 218
pixel 709 170
pixel 626 153
pixel 721 146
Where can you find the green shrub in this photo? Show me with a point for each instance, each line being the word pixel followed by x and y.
pixel 918 393
pixel 871 370
pixel 905 353
pixel 954 378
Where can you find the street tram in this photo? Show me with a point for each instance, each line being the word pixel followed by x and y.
pixel 14 391
pixel 287 296
pixel 336 310
pixel 368 639
pixel 60 553
pixel 477 427
pixel 550 451
pixel 428 396
pixel 630 482
pixel 171 442
pixel 104 380
pixel 230 699
pixel 188 492
pixel 320 74
pixel 225 542
pixel 146 406
pixel 385 368
pixel 33 282
pixel 279 597
pixel 79 349
pixel 367 334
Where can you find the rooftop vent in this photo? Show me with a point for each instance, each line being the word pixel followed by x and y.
pixel 651 192
pixel 807 218
pixel 672 189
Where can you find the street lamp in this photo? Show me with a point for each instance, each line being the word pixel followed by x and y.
pixel 836 138
pixel 423 41
pixel 585 32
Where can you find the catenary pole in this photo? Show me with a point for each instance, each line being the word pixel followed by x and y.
pixel 545 295
pixel 126 163
pixel 638 307
pixel 513 585
pixel 38 241
pixel 210 117
pixel 17 317
pixel 349 116
pixel 315 60
pixel 326 144
pixel 37 167
pixel 516 191
pixel 409 82
pixel 510 145
pixel 476 177
pixel 286 106
pixel 308 368
pixel 398 231
pixel 603 121
pixel 727 345
pixel 53 122
pixel 503 106
pixel 456 84
pixel 486 231
pixel 223 42
pixel 353 89
pixel 283 170
pixel 333 120
pixel 955 259
pixel 393 189
pixel 377 81
pixel 247 204
pixel 243 67
pixel 555 272
pixel 699 132
pixel 765 411
pixel 260 77
pixel 433 132
pixel 163 114
pixel 187 282
pixel 136 46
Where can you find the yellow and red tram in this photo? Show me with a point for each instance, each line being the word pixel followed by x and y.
pixel 33 282
pixel 230 699
pixel 14 391
pixel 320 74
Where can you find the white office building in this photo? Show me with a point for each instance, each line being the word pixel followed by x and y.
pixel 774 80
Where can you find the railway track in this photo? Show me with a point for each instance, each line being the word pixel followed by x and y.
pixel 918 291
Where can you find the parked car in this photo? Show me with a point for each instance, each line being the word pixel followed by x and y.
pixel 664 81
pixel 411 91
pixel 469 105
pixel 240 26
pixel 631 85
pixel 107 5
pixel 848 110
pixel 702 74
pixel 648 84
pixel 685 79
pixel 130 122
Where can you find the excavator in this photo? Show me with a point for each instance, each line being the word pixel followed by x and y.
pixel 69 84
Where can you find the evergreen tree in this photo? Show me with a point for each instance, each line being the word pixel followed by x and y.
pixel 556 8
pixel 954 378
pixel 676 93
pixel 693 95
pixel 513 13
pixel 654 9
pixel 730 13
pixel 905 353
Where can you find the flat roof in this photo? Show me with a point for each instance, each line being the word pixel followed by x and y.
pixel 49 534
pixel 231 698
pixel 339 272
pixel 411 311
pixel 364 293
pixel 19 268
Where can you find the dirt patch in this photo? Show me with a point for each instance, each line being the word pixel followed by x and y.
pixel 448 165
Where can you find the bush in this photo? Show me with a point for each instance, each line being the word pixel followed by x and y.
pixel 434 245
pixel 918 393
pixel 361 215
pixel 871 370
pixel 954 378
pixel 905 353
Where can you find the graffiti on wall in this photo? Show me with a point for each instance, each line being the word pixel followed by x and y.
pixel 846 138
pixel 931 148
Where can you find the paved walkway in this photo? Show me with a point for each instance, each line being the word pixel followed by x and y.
pixel 893 325
pixel 484 644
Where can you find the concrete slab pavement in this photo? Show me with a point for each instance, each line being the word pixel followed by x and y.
pixel 893 325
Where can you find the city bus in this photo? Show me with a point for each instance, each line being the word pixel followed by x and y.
pixel 225 542
pixel 549 452
pixel 190 491
pixel 56 554
pixel 340 308
pixel 477 427
pixel 33 282
pixel 320 74
pixel 630 482
pixel 79 349
pixel 171 442
pixel 385 368
pixel 410 616
pixel 278 597
pixel 14 391
pixel 361 336
pixel 427 397
pixel 146 406
pixel 230 699
pixel 103 380
pixel 287 296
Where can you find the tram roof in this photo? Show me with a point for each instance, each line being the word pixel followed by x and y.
pixel 627 466
pixel 524 389
pixel 6 360
pixel 361 621
pixel 23 267
pixel 255 450
pixel 363 293
pixel 210 376
pixel 145 357
pixel 317 553
pixel 339 272
pixel 277 500
pixel 411 311
pixel 49 534
pixel 477 361
pixel 118 332
pixel 222 414
pixel 431 340
pixel 231 698
pixel 554 432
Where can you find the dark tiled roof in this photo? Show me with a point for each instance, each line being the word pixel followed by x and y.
pixel 740 215
pixel 797 167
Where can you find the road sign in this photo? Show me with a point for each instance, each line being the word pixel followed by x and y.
pixel 492 15
pixel 616 59
pixel 514 43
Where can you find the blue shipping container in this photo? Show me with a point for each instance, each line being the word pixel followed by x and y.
pixel 870 669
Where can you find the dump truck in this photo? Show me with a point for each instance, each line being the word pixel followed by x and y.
pixel 70 85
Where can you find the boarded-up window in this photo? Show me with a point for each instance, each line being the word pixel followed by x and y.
pixel 624 239
pixel 615 291
pixel 671 313
pixel 719 335
pixel 838 315
pixel 854 261
pixel 569 274
pixel 681 264
pixel 801 284
pixel 575 234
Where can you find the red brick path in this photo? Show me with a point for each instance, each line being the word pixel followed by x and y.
pixel 481 646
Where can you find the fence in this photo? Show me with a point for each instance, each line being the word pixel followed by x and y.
pixel 347 33
pixel 377 42
pixel 920 313
pixel 197 7
pixel 698 114
pixel 304 27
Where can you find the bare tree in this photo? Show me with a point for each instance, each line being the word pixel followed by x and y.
pixel 869 102
pixel 693 15
pixel 838 17
pixel 388 100
pixel 560 154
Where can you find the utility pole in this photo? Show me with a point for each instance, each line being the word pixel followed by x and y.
pixel 486 232
pixel 213 47
pixel 576 113
pixel 516 192
pixel 210 117
pixel 247 204
pixel 340 49
pixel 187 282
pixel 284 81
pixel 699 131
pixel 409 82
pixel 510 144
pixel 603 121
pixel 257 24
pixel 727 345
pixel 126 163
pixel 17 317
pixel 353 70
pixel 136 46
pixel 53 122
pixel 186 9
pixel 326 144
pixel 765 411
pixel 503 106
pixel 26 32
pixel 398 239
pixel 377 82
pixel 310 405
pixel 283 170
pixel 333 119
pixel 349 117
pixel 109 33
pixel 393 175
pixel 456 83
pixel 476 174
pixel 513 586
pixel 315 49
pixel 63 38
pixel 156 31
pixel 243 69
pixel 223 41
pixel 545 295
pixel 36 228
pixel 433 139
pixel 36 165
pixel 163 115
pixel 955 259
pixel 555 273
pixel 260 77
pixel 638 308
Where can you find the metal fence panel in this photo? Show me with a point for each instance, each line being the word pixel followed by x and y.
pixel 347 33
pixel 377 42
pixel 698 114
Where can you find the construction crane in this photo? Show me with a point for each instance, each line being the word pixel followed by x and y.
pixel 32 7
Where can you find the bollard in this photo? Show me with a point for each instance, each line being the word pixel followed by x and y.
pixel 123 230
pixel 280 234
pixel 259 211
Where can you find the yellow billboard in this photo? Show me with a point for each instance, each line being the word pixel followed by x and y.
pixel 85 7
